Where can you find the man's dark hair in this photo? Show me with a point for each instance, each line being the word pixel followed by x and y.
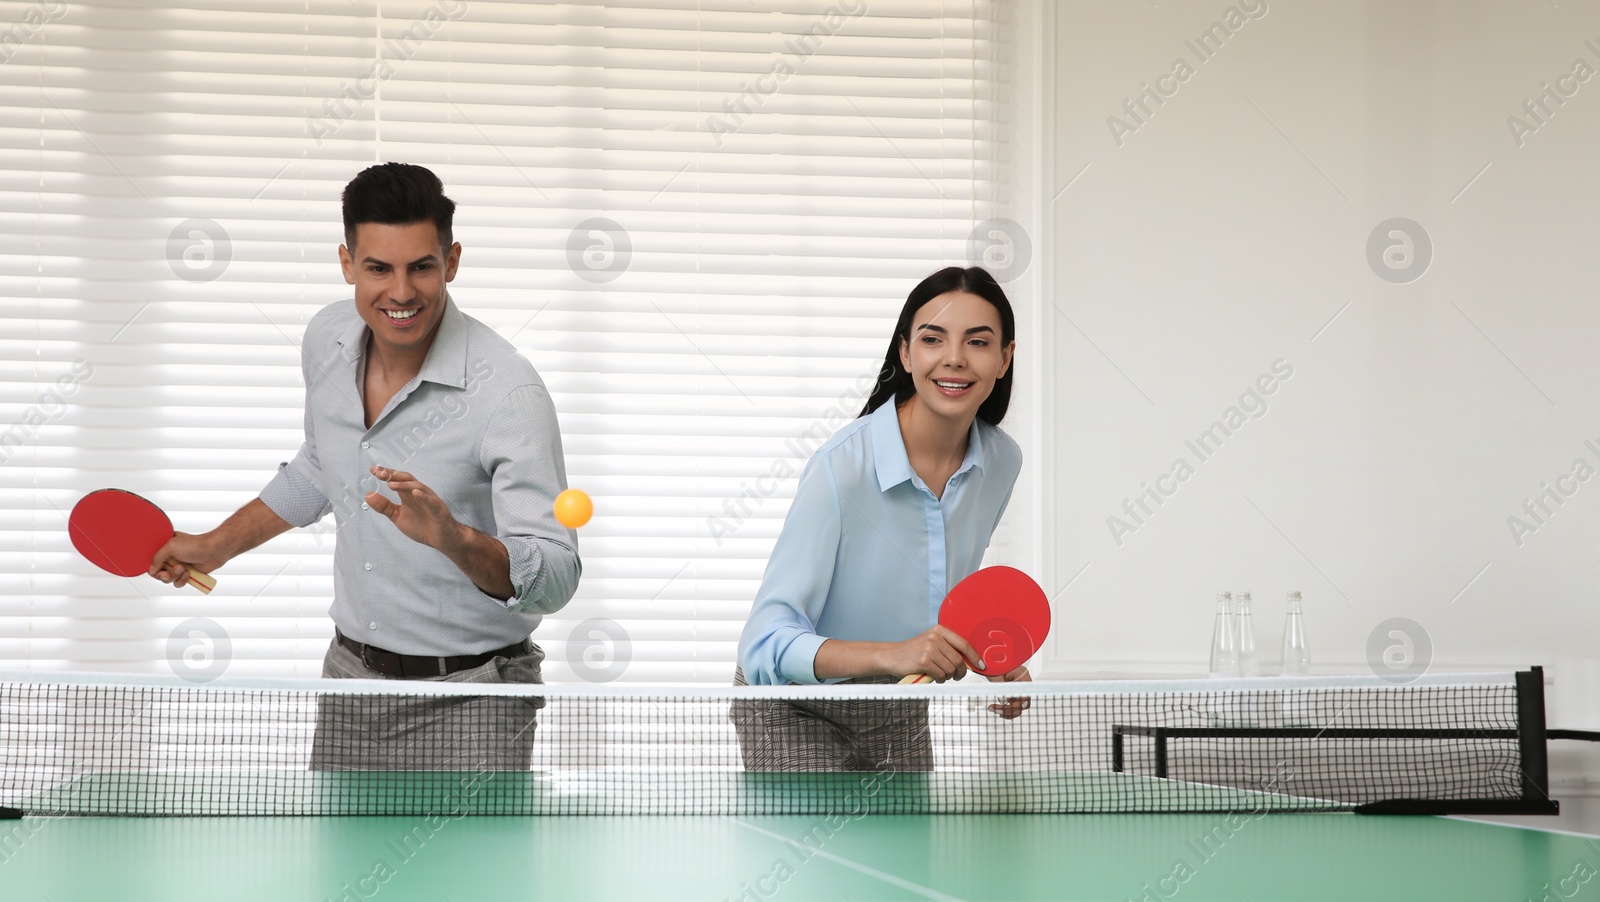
pixel 397 194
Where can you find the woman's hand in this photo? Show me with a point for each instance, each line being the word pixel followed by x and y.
pixel 939 653
pixel 1012 708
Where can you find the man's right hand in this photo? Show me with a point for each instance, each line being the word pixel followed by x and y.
pixel 939 653
pixel 248 527
pixel 197 551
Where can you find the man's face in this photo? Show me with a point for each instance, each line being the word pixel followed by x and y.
pixel 399 273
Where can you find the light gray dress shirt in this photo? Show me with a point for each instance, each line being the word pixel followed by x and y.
pixel 476 425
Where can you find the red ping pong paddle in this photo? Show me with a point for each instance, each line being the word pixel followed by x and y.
pixel 120 533
pixel 1002 613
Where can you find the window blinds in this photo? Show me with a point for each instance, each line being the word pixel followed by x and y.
pixel 697 220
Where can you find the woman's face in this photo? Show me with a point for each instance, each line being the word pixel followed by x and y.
pixel 954 354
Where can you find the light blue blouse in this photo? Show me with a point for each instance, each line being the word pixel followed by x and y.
pixel 867 552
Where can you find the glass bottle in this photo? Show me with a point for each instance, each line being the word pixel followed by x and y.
pixel 1296 654
pixel 1249 661
pixel 1298 704
pixel 1225 639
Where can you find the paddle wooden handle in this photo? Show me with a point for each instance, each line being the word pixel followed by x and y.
pixel 916 678
pixel 205 582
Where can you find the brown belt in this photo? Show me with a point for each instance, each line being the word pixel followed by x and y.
pixel 394 664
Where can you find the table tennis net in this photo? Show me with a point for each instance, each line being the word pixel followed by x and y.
pixel 97 745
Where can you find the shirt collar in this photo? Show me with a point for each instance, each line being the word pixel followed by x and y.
pixel 446 363
pixel 889 447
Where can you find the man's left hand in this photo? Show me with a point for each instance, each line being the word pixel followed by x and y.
pixel 421 514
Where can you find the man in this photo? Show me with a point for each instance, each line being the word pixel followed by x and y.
pixel 435 445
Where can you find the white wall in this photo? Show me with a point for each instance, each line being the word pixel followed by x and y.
pixel 1230 231
pixel 1180 259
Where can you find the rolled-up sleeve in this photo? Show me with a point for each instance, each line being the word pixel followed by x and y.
pixel 521 452
pixel 779 643
pixel 295 492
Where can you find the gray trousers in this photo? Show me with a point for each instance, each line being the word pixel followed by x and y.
pixel 821 735
pixel 426 733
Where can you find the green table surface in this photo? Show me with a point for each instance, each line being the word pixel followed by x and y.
pixel 1019 856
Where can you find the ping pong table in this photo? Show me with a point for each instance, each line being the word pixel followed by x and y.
pixel 761 857
pixel 604 812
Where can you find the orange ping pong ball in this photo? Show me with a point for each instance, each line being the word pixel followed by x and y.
pixel 573 508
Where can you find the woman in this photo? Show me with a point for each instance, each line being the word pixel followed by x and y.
pixel 891 512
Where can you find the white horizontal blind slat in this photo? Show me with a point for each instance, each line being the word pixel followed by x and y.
pixel 775 227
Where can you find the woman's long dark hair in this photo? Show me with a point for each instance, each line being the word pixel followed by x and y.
pixel 893 380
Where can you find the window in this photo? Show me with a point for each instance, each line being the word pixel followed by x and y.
pixel 698 221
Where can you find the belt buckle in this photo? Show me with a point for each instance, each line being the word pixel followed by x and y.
pixel 366 660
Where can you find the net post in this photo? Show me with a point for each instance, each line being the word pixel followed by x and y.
pixel 1531 733
pixel 1116 748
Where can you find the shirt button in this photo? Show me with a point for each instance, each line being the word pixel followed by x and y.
pixel 365 506
pixel 373 625
pixel 366 445
pixel 369 565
